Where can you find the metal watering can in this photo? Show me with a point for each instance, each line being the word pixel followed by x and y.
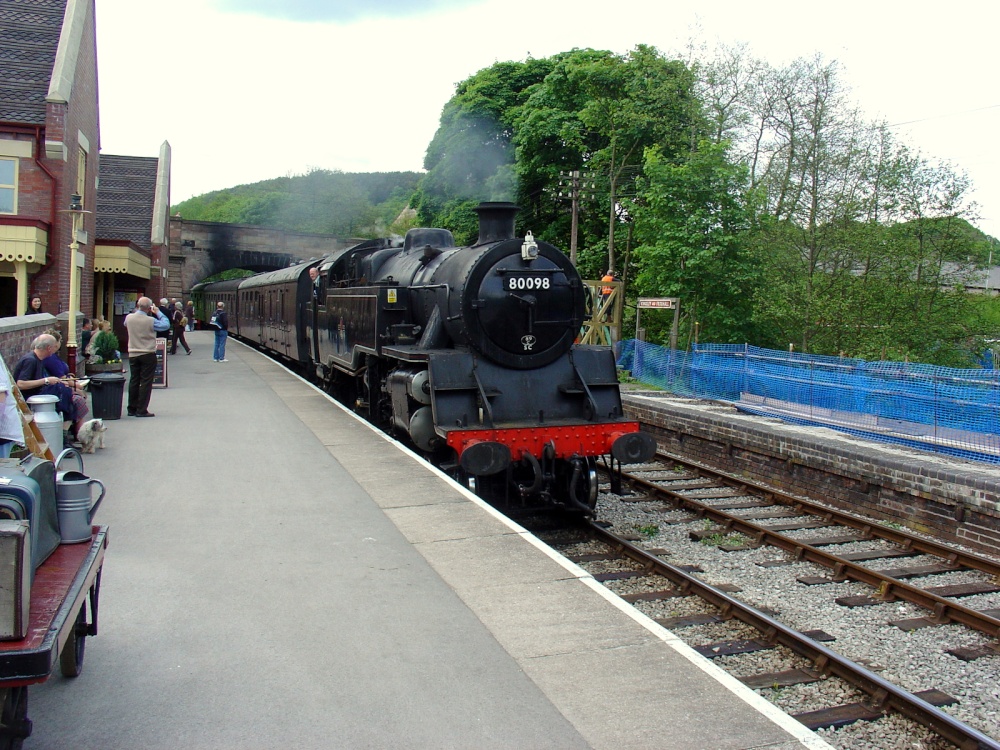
pixel 73 502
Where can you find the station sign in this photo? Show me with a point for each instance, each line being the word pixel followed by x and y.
pixel 658 303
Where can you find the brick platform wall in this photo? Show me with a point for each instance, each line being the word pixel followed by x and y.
pixel 947 498
pixel 17 333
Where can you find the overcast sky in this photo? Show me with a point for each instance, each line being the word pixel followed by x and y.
pixel 246 90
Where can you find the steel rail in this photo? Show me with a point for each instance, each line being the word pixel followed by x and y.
pixel 888 588
pixel 884 694
pixel 867 526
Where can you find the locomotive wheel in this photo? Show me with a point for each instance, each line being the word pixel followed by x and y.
pixel 14 722
pixel 71 657
pixel 581 491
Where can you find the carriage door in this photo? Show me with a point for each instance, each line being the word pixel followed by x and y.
pixel 317 300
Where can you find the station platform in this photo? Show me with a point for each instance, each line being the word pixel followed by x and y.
pixel 280 575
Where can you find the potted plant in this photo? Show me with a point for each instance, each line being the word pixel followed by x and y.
pixel 106 357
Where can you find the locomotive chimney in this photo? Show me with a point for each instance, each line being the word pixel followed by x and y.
pixel 496 221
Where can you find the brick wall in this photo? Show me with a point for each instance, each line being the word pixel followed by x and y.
pixel 948 498
pixel 47 198
pixel 17 333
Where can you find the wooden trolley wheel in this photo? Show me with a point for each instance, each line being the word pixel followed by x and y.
pixel 14 722
pixel 71 658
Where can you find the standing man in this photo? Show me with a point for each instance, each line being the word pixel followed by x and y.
pixel 141 356
pixel 221 322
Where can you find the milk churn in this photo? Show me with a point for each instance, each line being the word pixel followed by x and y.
pixel 73 501
pixel 49 421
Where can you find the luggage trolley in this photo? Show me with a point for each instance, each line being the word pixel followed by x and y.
pixel 62 613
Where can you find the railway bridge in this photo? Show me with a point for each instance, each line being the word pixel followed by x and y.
pixel 199 249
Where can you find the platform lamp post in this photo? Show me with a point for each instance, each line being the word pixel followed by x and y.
pixel 76 212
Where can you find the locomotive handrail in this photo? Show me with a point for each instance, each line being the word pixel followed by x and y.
pixel 482 393
pixel 586 389
pixel 447 296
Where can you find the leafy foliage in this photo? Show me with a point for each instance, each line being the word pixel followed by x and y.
pixel 105 347
pixel 691 229
pixel 321 202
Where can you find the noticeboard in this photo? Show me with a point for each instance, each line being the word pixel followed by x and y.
pixel 160 374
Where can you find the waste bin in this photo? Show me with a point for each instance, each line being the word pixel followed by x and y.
pixel 106 392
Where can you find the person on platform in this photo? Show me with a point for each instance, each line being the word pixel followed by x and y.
pixel 166 308
pixel 180 323
pixel 189 314
pixel 161 320
pixel 11 431
pixel 220 320
pixel 36 306
pixel 32 379
pixel 142 356
pixel 88 333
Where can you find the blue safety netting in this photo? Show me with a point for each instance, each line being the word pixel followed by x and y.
pixel 933 408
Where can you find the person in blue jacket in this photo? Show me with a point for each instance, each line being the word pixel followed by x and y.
pixel 220 321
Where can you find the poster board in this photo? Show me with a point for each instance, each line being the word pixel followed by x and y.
pixel 160 374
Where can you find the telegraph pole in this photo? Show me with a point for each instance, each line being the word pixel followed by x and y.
pixel 574 185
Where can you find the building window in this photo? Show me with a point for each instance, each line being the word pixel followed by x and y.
pixel 8 186
pixel 81 176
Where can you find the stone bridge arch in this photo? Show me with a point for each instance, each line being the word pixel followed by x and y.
pixel 199 249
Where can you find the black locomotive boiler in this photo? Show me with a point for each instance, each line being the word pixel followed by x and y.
pixel 466 351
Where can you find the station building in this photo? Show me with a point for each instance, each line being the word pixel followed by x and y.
pixel 76 227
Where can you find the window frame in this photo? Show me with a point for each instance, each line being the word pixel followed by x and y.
pixel 13 186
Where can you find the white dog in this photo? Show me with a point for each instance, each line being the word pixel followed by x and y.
pixel 91 435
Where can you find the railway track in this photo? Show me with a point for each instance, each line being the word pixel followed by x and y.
pixel 736 505
pixel 733 516
pixel 883 696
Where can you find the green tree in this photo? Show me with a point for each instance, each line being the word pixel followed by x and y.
pixel 598 111
pixel 691 230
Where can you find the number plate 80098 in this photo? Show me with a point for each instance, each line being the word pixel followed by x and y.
pixel 526 282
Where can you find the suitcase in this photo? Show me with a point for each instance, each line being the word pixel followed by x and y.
pixel 15 579
pixel 28 492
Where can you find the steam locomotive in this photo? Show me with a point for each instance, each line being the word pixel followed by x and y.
pixel 467 352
